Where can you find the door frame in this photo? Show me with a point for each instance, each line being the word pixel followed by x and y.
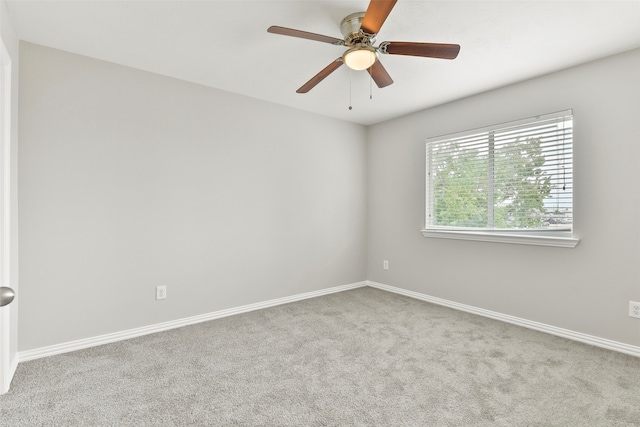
pixel 8 318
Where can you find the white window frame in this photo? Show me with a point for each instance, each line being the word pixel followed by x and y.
pixel 556 238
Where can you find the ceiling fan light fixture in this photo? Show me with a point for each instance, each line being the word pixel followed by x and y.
pixel 360 57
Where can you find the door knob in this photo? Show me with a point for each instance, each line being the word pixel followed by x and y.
pixel 6 296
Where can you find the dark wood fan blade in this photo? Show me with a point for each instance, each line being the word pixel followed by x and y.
pixel 320 76
pixel 376 14
pixel 304 35
pixel 379 74
pixel 429 50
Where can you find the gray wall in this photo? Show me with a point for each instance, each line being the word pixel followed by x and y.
pixel 130 180
pixel 586 289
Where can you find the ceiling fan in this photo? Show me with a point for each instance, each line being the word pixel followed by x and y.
pixel 360 30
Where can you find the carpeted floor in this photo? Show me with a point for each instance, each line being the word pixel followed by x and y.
pixel 363 357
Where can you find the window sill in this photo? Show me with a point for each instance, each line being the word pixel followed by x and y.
pixel 537 240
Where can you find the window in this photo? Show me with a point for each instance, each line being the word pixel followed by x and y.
pixel 507 183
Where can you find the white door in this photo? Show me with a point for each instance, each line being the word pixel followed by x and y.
pixel 8 313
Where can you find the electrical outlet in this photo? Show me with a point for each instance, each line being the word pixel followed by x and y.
pixel 634 309
pixel 385 264
pixel 161 292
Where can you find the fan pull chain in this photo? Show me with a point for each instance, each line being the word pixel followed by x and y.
pixel 350 107
pixel 370 86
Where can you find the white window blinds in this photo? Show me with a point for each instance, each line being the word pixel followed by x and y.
pixel 514 176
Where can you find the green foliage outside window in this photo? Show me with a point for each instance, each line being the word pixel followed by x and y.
pixel 468 178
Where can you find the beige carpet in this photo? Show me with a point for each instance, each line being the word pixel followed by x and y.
pixel 363 357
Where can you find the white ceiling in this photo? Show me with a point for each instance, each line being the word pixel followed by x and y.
pixel 225 45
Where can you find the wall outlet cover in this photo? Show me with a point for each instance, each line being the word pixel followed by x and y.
pixel 634 309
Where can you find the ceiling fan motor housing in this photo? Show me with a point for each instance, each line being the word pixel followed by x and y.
pixel 353 35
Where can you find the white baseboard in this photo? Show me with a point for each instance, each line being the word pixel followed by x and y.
pixel 553 330
pixel 67 347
